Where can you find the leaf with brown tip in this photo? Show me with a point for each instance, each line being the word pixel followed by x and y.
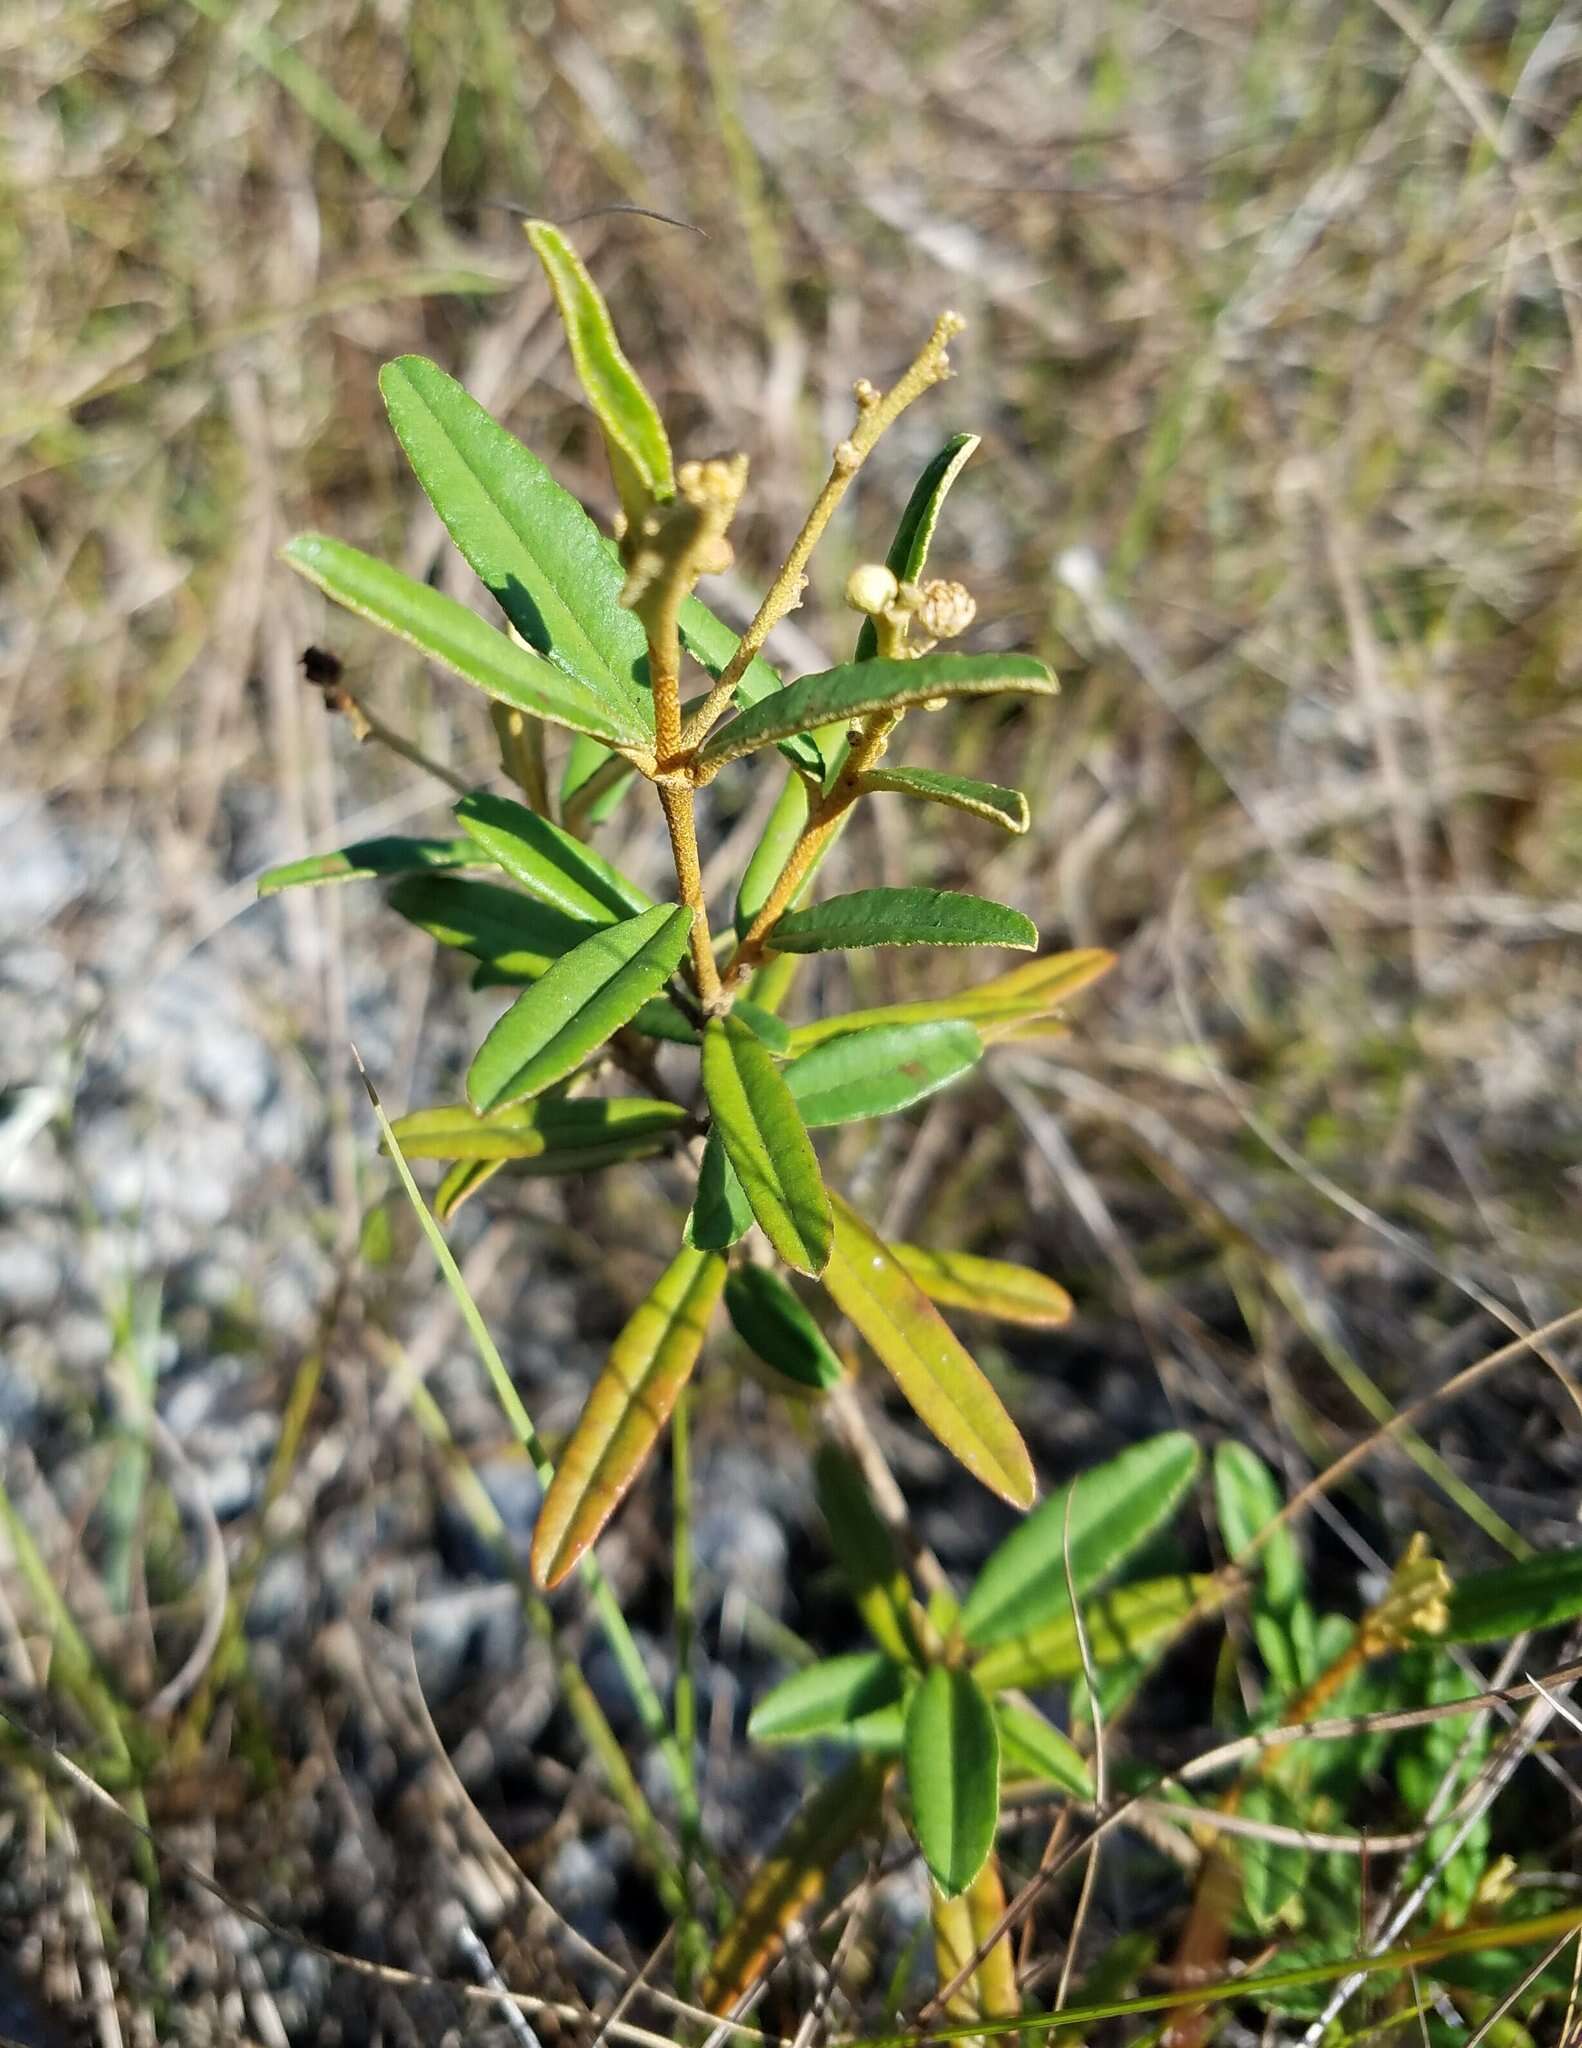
pixel 649 1363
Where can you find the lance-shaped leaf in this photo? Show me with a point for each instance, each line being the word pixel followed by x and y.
pixel 1539 1592
pixel 986 1287
pixel 462 1182
pixel 662 1018
pixel 531 544
pixel 865 1553
pixel 953 1775
pixel 763 1024
pixel 721 1214
pixel 792 1877
pixel 909 550
pixel 1115 1508
pixel 711 643
pixel 371 859
pixel 459 640
pixel 578 1002
pixel 649 1363
pixel 962 1926
pixel 1006 808
pixel 775 1326
pixel 923 1355
pixel 1032 1747
pixel 872 1073
pixel 633 431
pixel 769 856
pixel 1284 1625
pixel 831 1698
pixel 836 694
pixel 513 936
pixel 548 863
pixel 1019 996
pixel 1126 1622
pixel 550 1125
pixel 767 1144
pixel 902 917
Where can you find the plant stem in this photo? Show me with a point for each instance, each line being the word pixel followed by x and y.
pixel 874 415
pixel 676 800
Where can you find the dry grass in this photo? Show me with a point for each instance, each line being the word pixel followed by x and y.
pixel 1276 345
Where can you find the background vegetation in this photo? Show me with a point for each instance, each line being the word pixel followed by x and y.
pixel 1276 344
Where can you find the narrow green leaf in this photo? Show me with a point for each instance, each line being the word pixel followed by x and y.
pixel 953 1774
pixel 711 643
pixel 902 917
pixel 661 1018
pixel 1035 989
pixel 1125 1623
pixel 721 1214
pixel 1539 1592
pixel 1033 1747
pixel 1115 1508
pixel 827 1698
pixel 633 430
pixel 369 859
pixel 649 1363
pixel 774 1325
pixel 792 1877
pixel 986 1287
pixel 838 694
pixel 583 761
pixel 532 1129
pixel 1247 1498
pixel 1272 1873
pixel 458 639
pixel 872 1073
pixel 577 1004
pixel 766 1143
pixel 514 936
pixel 531 544
pixel 764 1025
pixel 923 1355
pixel 1006 808
pixel 769 856
pixel 909 550
pixel 865 1552
pixel 463 1181
pixel 548 863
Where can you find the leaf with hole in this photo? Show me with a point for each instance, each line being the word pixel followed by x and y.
pixel 909 550
pixel 459 640
pixel 1006 808
pixel 372 860
pixel 1127 1623
pixel 576 1005
pixel 953 1775
pixel 775 1326
pixel 529 542
pixel 902 917
pixel 872 1073
pixel 649 1363
pixel 516 938
pixel 838 694
pixel 1115 1508
pixel 792 1877
pixel 831 1698
pixel 532 1130
pixel 986 1287
pixel 923 1355
pixel 865 1552
pixel 547 863
pixel 633 432
pixel 767 1144
pixel 1031 1747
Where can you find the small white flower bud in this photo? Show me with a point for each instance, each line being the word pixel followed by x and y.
pixel 871 588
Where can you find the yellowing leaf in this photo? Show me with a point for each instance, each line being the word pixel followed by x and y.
pixel 766 1143
pixel 1122 1624
pixel 961 1927
pixel 649 1363
pixel 986 1287
pixel 926 1359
